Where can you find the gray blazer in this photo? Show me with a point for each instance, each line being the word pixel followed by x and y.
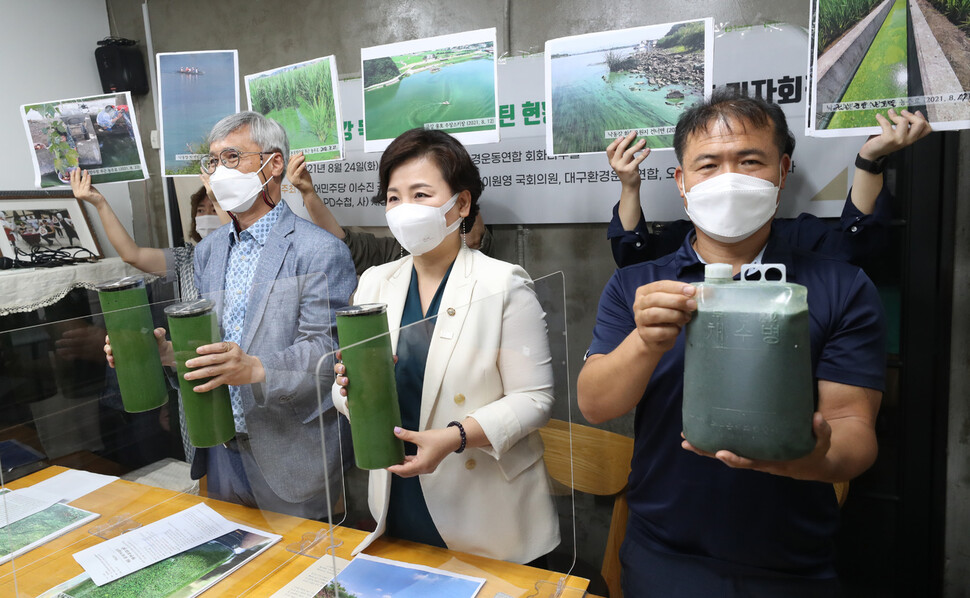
pixel 304 274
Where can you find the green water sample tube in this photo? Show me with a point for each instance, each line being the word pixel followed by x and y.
pixel 138 364
pixel 748 385
pixel 372 392
pixel 208 415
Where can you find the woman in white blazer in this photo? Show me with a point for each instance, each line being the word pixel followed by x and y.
pixel 474 383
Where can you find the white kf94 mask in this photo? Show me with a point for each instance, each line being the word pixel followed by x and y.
pixel 419 228
pixel 237 191
pixel 731 207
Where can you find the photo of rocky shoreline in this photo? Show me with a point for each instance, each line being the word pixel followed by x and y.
pixel 604 84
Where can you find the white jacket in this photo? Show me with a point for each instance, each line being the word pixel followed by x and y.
pixel 489 359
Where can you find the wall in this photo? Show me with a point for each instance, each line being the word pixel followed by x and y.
pixel 55 42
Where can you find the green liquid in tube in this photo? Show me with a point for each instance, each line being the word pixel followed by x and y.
pixel 372 392
pixel 208 415
pixel 130 328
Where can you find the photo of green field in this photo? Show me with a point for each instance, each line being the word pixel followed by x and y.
pixel 303 98
pixel 872 55
pixel 602 85
pixel 449 87
pixel 184 575
pixel 34 530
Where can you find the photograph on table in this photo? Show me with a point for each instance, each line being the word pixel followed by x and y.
pixel 184 575
pixel 303 99
pixel 867 56
pixel 32 224
pixel 445 82
pixel 601 86
pixel 368 576
pixel 95 133
pixel 195 91
pixel 35 530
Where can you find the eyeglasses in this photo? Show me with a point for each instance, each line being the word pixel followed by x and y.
pixel 229 158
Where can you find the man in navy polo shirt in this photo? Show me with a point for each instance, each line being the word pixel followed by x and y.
pixel 719 524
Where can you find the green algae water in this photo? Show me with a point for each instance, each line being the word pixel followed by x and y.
pixel 747 372
pixel 372 392
pixel 588 100
pixel 137 362
pixel 881 75
pixel 208 415
pixel 460 91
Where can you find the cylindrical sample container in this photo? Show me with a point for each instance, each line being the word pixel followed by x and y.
pixel 208 415
pixel 748 385
pixel 130 329
pixel 372 392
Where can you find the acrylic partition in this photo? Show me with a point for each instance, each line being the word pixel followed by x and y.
pixel 432 519
pixel 96 463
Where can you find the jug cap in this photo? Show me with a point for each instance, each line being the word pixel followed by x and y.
pixel 121 284
pixel 364 309
pixel 188 309
pixel 718 272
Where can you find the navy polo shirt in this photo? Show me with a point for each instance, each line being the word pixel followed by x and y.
pixel 741 520
pixel 855 237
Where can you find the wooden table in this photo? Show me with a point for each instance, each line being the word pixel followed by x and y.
pixel 44 567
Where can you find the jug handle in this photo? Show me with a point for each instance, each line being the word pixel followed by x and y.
pixel 762 270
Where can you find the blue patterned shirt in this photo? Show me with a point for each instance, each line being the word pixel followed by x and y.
pixel 244 250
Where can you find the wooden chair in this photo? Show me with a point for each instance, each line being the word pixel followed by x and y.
pixel 600 465
pixel 841 491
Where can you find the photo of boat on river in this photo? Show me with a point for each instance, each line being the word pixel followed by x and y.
pixel 601 86
pixel 445 83
pixel 872 55
pixel 303 99
pixel 195 90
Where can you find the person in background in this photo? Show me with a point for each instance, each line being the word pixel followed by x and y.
pixel 366 249
pixel 108 117
pixel 174 261
pixel 474 372
pixel 862 232
pixel 705 524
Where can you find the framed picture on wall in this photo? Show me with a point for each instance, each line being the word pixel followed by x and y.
pixel 46 222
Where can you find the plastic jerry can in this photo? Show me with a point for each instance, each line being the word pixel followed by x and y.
pixel 748 385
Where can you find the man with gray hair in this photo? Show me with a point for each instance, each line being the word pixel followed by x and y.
pixel 277 280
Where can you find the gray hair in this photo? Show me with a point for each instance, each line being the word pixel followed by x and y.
pixel 268 134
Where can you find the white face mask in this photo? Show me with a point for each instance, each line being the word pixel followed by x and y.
pixel 419 228
pixel 731 207
pixel 234 190
pixel 206 224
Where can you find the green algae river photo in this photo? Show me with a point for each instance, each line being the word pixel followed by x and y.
pixel 603 85
pixel 873 55
pixel 445 83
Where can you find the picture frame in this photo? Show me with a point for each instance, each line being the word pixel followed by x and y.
pixel 35 221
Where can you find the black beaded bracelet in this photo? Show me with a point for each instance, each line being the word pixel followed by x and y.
pixel 461 430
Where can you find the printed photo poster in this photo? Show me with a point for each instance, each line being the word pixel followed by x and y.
pixel 184 575
pixel 601 86
pixel 195 91
pixel 95 133
pixel 368 576
pixel 446 82
pixel 869 56
pixel 40 528
pixel 303 98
